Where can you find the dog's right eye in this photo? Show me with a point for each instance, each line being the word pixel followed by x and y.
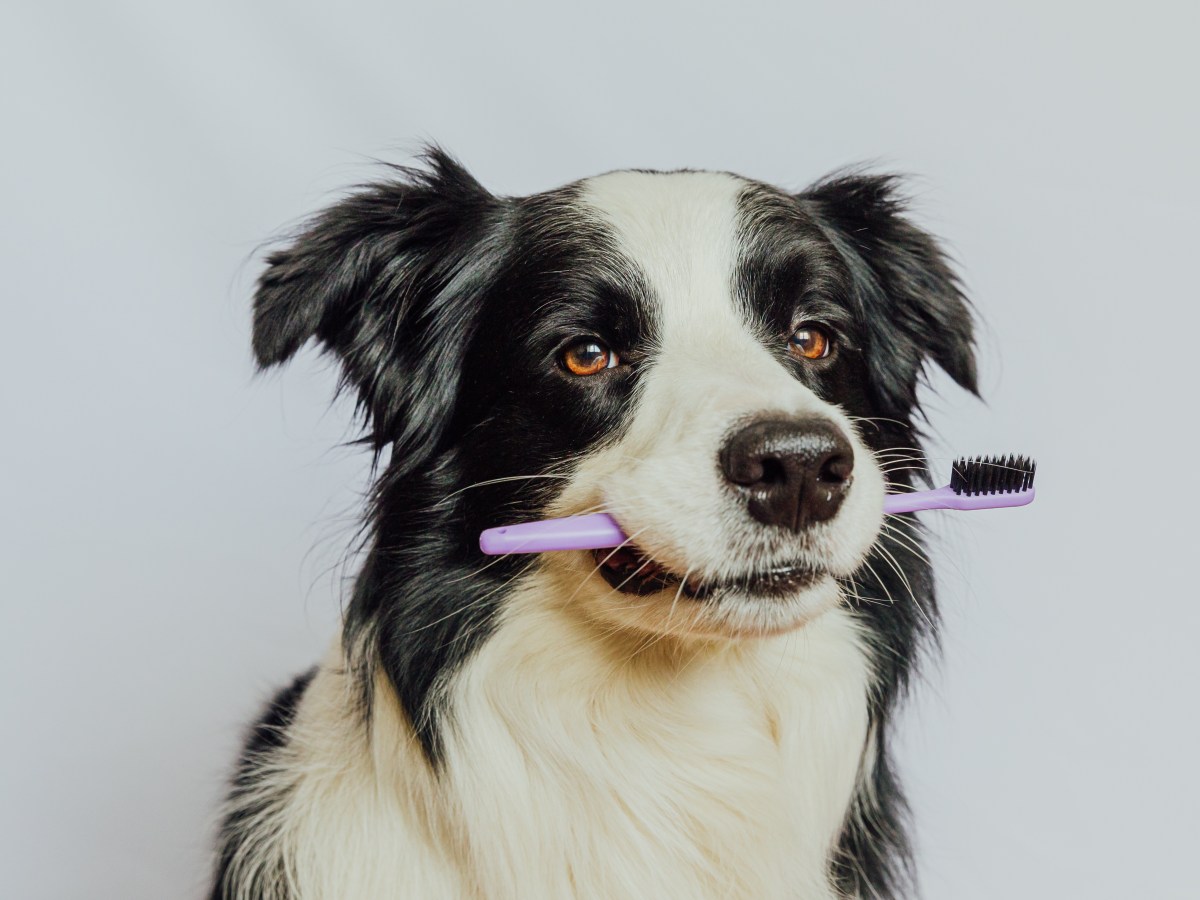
pixel 810 341
pixel 588 357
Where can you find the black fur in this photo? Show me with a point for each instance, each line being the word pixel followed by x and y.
pixel 446 307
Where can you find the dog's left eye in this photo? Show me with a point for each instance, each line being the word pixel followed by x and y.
pixel 810 341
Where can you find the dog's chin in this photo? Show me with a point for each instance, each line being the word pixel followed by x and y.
pixel 650 597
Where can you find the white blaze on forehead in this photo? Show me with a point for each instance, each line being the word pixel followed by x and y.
pixel 680 230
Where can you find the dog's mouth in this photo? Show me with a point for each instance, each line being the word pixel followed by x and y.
pixel 630 571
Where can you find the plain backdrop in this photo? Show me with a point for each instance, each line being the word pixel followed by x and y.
pixel 173 529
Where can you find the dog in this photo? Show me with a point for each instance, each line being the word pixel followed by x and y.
pixel 731 371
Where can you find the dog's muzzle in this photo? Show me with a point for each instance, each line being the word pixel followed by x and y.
pixel 791 473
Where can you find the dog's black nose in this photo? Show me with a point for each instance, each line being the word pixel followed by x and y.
pixel 793 473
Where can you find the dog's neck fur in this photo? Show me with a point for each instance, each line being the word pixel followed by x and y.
pixel 573 769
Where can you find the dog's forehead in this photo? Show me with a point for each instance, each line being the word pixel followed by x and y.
pixel 680 229
pixel 665 204
pixel 668 218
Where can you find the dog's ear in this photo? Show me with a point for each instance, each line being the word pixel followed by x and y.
pixel 388 280
pixel 910 298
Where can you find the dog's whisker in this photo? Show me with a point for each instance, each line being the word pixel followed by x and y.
pixel 891 560
pixel 853 584
pixel 908 542
pixel 883 584
pixel 507 478
pixel 666 629
pixel 890 599
pixel 596 569
pixel 890 462
pixel 633 574
pixel 892 470
pixel 874 419
pixel 900 486
pixel 475 601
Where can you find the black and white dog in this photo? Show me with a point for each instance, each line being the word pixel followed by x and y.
pixel 730 370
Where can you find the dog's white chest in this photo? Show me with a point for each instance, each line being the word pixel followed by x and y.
pixel 730 777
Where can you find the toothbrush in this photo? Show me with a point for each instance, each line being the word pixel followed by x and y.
pixel 981 483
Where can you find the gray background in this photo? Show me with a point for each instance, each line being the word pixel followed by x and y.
pixel 173 528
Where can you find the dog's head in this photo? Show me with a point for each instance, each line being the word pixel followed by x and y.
pixel 721 365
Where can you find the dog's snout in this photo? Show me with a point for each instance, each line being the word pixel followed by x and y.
pixel 792 473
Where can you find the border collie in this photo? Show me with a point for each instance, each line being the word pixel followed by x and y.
pixel 730 370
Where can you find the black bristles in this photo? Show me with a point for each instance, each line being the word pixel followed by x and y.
pixel 992 475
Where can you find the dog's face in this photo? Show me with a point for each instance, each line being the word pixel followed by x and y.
pixel 713 361
pixel 696 379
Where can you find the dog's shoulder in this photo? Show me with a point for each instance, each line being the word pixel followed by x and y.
pixel 266 737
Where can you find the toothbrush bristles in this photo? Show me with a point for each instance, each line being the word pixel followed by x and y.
pixel 992 475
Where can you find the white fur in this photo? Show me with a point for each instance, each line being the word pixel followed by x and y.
pixel 601 745
pixel 681 771
pixel 576 768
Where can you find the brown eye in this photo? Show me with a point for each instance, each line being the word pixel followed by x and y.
pixel 588 357
pixel 810 342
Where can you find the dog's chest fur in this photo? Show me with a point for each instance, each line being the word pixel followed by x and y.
pixel 573 773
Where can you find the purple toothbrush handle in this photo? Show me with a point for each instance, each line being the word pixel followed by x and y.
pixel 946 498
pixel 600 530
pixel 592 532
